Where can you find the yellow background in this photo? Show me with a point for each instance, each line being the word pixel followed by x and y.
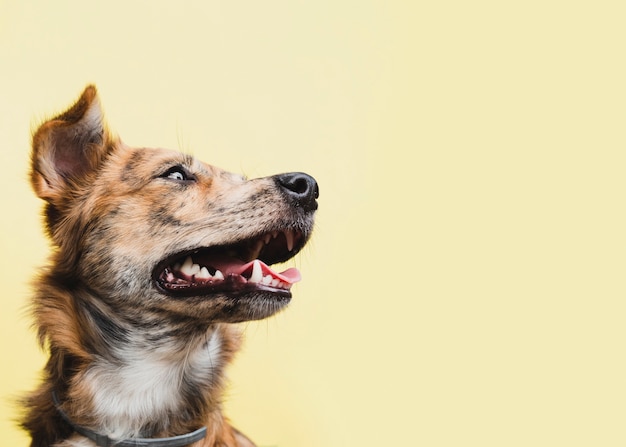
pixel 465 283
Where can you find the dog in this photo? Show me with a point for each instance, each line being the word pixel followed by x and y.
pixel 156 256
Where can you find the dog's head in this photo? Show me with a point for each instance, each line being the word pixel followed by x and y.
pixel 157 231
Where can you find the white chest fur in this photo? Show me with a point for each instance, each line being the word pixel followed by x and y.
pixel 146 385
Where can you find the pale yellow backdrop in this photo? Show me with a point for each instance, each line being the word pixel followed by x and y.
pixel 466 281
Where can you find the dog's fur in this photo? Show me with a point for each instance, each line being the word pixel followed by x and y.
pixel 128 357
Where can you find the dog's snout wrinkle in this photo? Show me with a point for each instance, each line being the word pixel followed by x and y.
pixel 300 188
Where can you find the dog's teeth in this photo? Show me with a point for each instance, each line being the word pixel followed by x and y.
pixel 275 234
pixel 268 238
pixel 257 272
pixel 203 274
pixel 267 280
pixel 275 282
pixel 218 275
pixel 289 236
pixel 195 269
pixel 258 246
pixel 187 267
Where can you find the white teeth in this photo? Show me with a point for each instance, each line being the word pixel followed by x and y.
pixel 203 274
pixel 275 282
pixel 195 269
pixel 187 267
pixel 267 280
pixel 289 236
pixel 218 275
pixel 257 272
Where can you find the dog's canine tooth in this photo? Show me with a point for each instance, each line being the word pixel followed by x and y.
pixel 256 251
pixel 257 272
pixel 268 238
pixel 218 275
pixel 203 274
pixel 187 267
pixel 290 238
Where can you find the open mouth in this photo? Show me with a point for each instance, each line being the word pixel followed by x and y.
pixel 234 268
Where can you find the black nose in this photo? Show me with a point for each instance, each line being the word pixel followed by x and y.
pixel 300 188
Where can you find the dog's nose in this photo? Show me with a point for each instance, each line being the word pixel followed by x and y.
pixel 300 188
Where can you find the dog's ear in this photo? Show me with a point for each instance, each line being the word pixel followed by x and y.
pixel 69 147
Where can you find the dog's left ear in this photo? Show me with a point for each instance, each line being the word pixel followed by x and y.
pixel 70 147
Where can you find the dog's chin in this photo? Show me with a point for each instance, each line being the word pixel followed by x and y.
pixel 250 306
pixel 228 307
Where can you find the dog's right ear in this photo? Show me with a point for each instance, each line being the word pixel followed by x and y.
pixel 69 147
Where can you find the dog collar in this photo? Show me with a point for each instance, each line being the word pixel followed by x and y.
pixel 105 441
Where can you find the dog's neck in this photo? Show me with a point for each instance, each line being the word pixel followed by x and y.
pixel 105 441
pixel 144 391
pixel 153 384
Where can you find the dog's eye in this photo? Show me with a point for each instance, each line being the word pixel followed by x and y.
pixel 177 173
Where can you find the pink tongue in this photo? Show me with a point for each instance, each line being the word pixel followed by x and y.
pixel 229 266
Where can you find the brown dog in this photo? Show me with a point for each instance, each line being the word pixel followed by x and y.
pixel 155 256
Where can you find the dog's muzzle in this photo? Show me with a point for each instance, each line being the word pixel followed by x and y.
pixel 244 266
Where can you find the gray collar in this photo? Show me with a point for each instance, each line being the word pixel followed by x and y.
pixel 105 441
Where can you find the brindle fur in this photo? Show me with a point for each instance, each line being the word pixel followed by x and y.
pixel 112 219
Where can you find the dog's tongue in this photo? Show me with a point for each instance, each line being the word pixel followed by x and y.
pixel 228 266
